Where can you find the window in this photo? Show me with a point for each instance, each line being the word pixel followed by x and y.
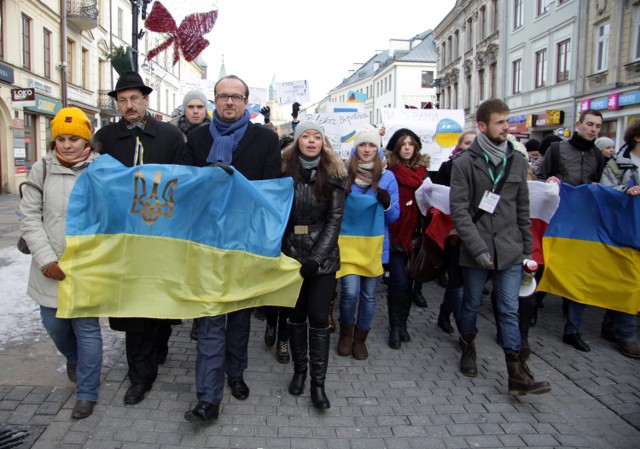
pixel 85 68
pixel 26 42
pixel 450 49
pixel 635 44
pixel 518 14
pixel 542 7
pixel 481 84
pixel 119 23
pixel 71 47
pixel 541 68
pixel 454 97
pixel 427 78
pixel 494 20
pixel 602 47
pixel 493 79
pixel 469 33
pixel 1 29
pixel 46 42
pixel 564 59
pixel 482 20
pixel 516 76
pixel 444 54
pixel 468 91
pixel 456 44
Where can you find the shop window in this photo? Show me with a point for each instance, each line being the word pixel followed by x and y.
pixel 30 142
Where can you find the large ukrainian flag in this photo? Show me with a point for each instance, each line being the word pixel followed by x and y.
pixel 592 248
pixel 171 241
pixel 361 236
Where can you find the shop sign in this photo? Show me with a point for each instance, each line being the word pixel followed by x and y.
pixel 6 74
pixel 628 99
pixel 555 117
pixel 599 103
pixel 45 105
pixel 36 84
pixel 612 102
pixel 584 105
pixel 23 96
pixel 518 124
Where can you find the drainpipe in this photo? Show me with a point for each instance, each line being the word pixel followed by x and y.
pixel 63 52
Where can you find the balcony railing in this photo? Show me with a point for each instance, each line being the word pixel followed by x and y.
pixel 107 104
pixel 82 14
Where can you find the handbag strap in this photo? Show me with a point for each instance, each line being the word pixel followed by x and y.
pixel 498 187
pixel 35 186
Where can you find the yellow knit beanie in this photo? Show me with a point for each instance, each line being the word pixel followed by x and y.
pixel 71 121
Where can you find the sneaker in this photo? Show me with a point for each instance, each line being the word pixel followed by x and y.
pixel 283 352
pixel 270 335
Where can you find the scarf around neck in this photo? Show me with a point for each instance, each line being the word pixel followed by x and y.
pixel 493 151
pixel 364 175
pixel 226 137
pixel 71 162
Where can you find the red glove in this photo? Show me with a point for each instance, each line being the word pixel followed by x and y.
pixel 53 271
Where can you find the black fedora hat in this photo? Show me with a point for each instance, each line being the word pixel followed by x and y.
pixel 130 80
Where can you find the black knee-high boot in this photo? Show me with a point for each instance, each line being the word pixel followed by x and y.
pixel 319 340
pixel 393 307
pixel 298 342
pixel 526 309
pixel 404 311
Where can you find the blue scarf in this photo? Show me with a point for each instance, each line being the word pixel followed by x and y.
pixel 226 137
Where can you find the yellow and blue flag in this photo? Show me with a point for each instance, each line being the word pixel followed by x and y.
pixel 361 236
pixel 172 241
pixel 592 248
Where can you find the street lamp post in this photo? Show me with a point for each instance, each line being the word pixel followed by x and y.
pixel 437 83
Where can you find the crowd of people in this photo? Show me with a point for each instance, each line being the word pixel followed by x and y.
pixel 488 178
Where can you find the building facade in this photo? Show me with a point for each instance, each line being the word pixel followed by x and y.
pixel 609 69
pixel 540 66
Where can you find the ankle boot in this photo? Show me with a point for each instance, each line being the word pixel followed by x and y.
pixel 468 365
pixel 344 342
pixel 443 318
pixel 332 303
pixel 521 380
pixel 298 347
pixel 394 322
pixel 319 340
pixel 360 351
pixel 404 317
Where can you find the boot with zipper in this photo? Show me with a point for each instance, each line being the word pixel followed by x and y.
pixel 319 340
pixel 298 343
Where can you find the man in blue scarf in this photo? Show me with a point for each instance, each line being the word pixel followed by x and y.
pixel 254 151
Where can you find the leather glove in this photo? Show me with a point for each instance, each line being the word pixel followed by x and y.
pixel 295 108
pixel 266 111
pixel 485 261
pixel 308 267
pixel 225 167
pixel 384 198
pixel 53 271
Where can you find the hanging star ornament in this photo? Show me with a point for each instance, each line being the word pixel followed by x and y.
pixel 187 38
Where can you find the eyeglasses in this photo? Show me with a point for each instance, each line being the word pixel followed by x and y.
pixel 124 101
pixel 225 97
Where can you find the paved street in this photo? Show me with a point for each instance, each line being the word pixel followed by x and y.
pixel 409 398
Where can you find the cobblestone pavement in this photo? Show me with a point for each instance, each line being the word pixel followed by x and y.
pixel 408 398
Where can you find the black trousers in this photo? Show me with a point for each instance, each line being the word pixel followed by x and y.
pixel 145 349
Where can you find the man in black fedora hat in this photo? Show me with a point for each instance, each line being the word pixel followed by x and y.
pixel 140 139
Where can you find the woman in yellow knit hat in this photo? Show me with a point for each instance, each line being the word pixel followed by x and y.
pixel 43 212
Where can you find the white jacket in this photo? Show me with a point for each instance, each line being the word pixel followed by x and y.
pixel 44 221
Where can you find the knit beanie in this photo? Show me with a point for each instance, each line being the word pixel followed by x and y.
pixel 368 134
pixel 193 95
pixel 71 121
pixel 532 145
pixel 403 132
pixel 604 142
pixel 306 126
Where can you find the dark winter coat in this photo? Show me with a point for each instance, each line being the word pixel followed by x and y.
pixel 163 143
pixel 505 234
pixel 323 219
pixel 577 161
pixel 257 156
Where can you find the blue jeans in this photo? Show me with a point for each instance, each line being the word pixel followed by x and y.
pixel 80 341
pixel 623 325
pixel 399 283
pixel 352 288
pixel 574 317
pixel 506 284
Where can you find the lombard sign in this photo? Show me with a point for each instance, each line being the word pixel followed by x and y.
pixel 44 105
pixel 23 96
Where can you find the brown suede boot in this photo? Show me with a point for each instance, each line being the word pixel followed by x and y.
pixel 344 342
pixel 468 365
pixel 360 351
pixel 521 380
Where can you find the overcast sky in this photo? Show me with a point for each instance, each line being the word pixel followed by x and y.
pixel 297 40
